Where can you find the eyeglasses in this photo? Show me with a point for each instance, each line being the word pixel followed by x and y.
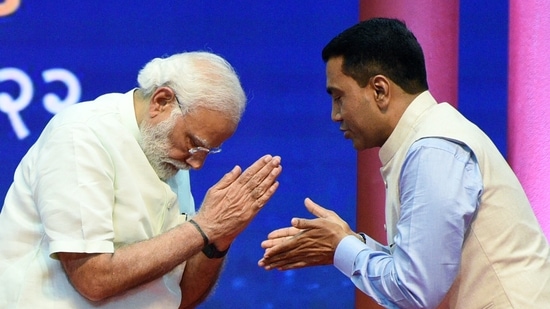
pixel 196 140
pixel 198 149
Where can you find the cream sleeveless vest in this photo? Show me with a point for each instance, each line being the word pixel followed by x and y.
pixel 505 256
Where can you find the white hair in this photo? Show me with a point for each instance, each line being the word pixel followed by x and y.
pixel 199 79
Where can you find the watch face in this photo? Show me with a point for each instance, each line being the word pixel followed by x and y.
pixel 212 252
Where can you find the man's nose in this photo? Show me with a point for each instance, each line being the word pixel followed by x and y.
pixel 335 115
pixel 196 161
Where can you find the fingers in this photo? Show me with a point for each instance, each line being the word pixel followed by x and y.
pixel 262 197
pixel 236 172
pixel 288 264
pixel 316 209
pixel 232 203
pixel 228 178
pixel 267 181
pixel 260 179
pixel 270 243
pixel 281 247
pixel 307 248
pixel 308 242
pixel 283 232
pixel 279 236
pixel 259 170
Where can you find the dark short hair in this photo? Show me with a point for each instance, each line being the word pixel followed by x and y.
pixel 380 46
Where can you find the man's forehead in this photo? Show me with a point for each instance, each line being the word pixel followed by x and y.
pixel 334 75
pixel 209 125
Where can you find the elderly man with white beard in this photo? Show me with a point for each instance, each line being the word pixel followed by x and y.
pixel 94 217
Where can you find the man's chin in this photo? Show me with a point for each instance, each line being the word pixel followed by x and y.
pixel 167 172
pixel 170 170
pixel 356 145
pixel 178 166
pixel 359 146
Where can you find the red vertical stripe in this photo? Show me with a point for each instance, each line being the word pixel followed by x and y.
pixel 435 25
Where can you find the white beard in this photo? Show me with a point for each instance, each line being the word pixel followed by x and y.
pixel 156 146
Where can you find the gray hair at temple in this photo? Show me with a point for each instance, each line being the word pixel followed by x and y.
pixel 199 79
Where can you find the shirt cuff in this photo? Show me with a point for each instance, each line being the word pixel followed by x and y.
pixel 346 252
pixel 376 246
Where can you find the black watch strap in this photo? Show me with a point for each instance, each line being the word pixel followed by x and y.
pixel 363 236
pixel 212 252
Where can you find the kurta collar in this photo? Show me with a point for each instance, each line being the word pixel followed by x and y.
pixel 128 115
pixel 405 125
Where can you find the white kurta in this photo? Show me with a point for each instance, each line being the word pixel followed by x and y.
pixel 85 186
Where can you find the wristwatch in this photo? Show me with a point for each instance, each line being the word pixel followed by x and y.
pixel 212 252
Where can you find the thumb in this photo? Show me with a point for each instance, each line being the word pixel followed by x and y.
pixel 316 209
pixel 229 178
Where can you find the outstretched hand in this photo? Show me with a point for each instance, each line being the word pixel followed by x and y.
pixel 234 201
pixel 308 242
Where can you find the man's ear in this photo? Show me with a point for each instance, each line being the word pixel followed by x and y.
pixel 161 101
pixel 381 87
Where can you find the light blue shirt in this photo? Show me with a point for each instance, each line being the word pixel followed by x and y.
pixel 440 187
pixel 181 185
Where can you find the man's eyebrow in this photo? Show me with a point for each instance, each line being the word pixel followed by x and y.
pixel 199 141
